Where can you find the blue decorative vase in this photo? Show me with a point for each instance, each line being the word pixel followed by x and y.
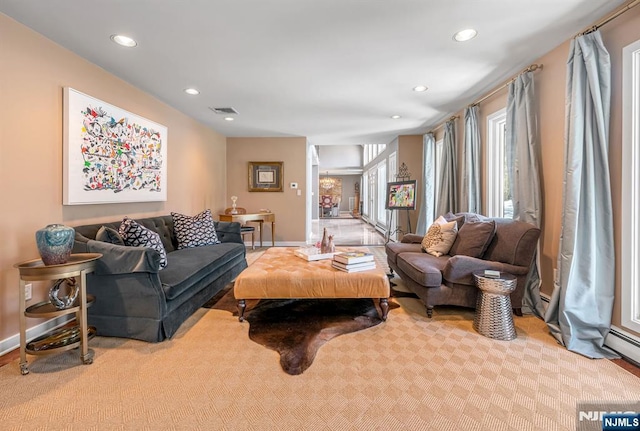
pixel 54 243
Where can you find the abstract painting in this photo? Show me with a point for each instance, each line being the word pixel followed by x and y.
pixel 111 155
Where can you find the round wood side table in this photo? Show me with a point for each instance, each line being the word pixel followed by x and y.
pixel 66 338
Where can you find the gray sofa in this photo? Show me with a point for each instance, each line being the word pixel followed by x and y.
pixel 448 279
pixel 135 299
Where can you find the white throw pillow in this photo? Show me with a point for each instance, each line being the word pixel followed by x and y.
pixel 440 237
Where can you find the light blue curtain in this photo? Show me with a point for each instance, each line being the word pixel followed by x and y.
pixel 427 188
pixel 447 194
pixel 523 152
pixel 470 197
pixel 579 313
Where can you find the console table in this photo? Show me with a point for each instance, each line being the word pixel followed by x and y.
pixel 65 338
pixel 261 218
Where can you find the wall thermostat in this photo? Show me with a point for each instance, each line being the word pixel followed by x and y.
pixel 294 185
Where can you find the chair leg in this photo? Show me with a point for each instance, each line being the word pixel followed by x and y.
pixel 253 242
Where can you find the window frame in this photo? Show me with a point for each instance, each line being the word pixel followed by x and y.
pixel 630 259
pixel 494 165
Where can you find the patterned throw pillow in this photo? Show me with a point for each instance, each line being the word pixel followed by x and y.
pixel 136 235
pixel 194 231
pixel 440 237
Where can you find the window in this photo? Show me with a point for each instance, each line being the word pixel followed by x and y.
pixel 365 194
pixel 438 170
pixel 631 187
pixel 392 219
pixel 499 201
pixel 381 197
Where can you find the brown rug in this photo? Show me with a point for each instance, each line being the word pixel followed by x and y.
pixel 296 329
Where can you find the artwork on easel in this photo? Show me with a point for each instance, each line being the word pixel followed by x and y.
pixel 111 155
pixel 401 195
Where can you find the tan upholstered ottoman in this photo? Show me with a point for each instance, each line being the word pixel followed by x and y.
pixel 279 274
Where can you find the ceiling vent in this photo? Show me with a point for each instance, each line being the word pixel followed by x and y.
pixel 224 111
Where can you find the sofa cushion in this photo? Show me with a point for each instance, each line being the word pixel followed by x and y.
pixel 440 237
pixel 473 238
pixel 136 235
pixel 458 218
pixel 110 235
pixel 423 268
pixel 188 266
pixel 393 249
pixel 195 231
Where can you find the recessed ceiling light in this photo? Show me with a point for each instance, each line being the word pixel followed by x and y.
pixel 464 35
pixel 395 117
pixel 228 118
pixel 191 91
pixel 123 40
pixel 420 88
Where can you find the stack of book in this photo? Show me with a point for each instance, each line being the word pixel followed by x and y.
pixel 353 261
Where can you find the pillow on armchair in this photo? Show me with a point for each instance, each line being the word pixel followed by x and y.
pixel 473 238
pixel 440 237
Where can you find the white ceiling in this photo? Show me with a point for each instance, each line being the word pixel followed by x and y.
pixel 331 70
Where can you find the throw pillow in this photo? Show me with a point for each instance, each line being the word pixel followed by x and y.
pixel 440 237
pixel 136 235
pixel 458 218
pixel 474 238
pixel 194 231
pixel 110 235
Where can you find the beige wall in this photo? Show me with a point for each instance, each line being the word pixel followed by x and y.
pixel 550 85
pixel 410 153
pixel 33 72
pixel 288 207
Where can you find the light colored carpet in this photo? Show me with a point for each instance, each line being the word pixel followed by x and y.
pixel 410 373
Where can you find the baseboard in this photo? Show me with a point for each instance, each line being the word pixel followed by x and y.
pixel 278 244
pixel 10 344
pixel 625 344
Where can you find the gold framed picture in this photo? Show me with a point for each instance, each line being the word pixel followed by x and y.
pixel 266 176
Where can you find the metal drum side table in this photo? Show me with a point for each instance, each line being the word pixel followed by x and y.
pixel 66 338
pixel 494 318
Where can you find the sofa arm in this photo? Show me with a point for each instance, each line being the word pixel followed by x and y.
pixel 412 238
pixel 228 231
pixel 120 259
pixel 459 269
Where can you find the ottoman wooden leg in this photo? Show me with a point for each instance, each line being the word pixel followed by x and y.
pixel 384 306
pixel 242 304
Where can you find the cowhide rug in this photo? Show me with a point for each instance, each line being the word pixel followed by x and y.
pixel 297 328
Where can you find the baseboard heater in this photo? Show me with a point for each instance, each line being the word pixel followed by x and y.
pixel 626 345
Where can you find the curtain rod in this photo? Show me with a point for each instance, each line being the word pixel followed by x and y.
pixel 531 68
pixel 610 18
pixel 443 123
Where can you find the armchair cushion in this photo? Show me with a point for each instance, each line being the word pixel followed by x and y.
pixel 473 238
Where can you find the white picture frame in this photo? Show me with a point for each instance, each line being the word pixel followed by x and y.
pixel 110 155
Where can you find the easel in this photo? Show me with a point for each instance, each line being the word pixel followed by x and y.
pixel 402 175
